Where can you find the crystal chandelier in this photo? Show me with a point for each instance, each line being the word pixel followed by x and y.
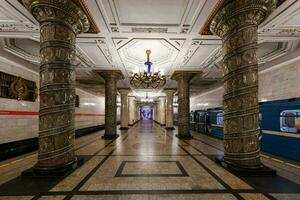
pixel 148 79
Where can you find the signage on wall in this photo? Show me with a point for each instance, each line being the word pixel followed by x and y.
pixel 14 87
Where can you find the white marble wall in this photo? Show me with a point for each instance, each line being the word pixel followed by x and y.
pixel 274 84
pixel 18 127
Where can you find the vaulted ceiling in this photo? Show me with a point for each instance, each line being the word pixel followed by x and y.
pixel 170 28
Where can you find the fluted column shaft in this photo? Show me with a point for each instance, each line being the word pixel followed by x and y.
pixel 169 108
pixel 124 108
pixel 111 78
pixel 58 29
pixel 237 24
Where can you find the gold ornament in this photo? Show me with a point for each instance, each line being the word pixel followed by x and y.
pixel 18 89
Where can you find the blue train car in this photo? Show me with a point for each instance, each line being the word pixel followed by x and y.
pixel 200 119
pixel 192 121
pixel 280 125
pixel 215 122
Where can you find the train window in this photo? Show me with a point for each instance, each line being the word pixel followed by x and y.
pixel 290 121
pixel 220 119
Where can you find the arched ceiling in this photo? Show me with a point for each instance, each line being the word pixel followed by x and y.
pixel 170 28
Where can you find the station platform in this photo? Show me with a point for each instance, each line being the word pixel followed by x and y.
pixel 148 162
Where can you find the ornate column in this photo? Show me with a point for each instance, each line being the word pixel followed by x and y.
pixel 58 30
pixel 236 23
pixel 111 77
pixel 169 108
pixel 162 110
pixel 124 108
pixel 183 81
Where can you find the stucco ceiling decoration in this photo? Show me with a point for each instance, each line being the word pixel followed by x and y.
pixel 133 55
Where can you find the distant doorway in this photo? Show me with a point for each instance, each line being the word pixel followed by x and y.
pixel 146 113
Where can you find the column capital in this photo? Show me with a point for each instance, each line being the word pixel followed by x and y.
pixel 110 74
pixel 245 12
pixel 124 91
pixel 186 75
pixel 61 11
pixel 170 90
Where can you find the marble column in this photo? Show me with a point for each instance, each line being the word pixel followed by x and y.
pixel 183 82
pixel 162 110
pixel 111 77
pixel 169 108
pixel 158 113
pixel 132 110
pixel 154 112
pixel 58 30
pixel 124 108
pixel 236 23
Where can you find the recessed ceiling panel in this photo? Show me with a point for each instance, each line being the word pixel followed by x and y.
pixel 95 54
pixel 200 55
pixel 143 12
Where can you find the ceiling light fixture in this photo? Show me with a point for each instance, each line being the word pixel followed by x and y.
pixel 147 100
pixel 148 79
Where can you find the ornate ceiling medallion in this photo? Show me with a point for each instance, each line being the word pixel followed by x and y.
pixel 148 79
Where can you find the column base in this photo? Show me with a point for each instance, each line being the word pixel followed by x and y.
pixel 123 128
pixel 260 171
pixel 110 137
pixel 52 172
pixel 184 137
pixel 162 124
pixel 170 128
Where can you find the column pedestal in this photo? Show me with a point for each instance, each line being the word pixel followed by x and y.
pixel 58 30
pixel 236 23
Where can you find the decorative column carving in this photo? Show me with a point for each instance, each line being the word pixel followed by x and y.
pixel 169 108
pixel 162 110
pixel 111 77
pixel 236 23
pixel 124 108
pixel 183 81
pixel 58 30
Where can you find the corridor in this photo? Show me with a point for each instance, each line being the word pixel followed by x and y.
pixel 145 162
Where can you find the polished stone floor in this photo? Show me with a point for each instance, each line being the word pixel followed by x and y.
pixel 146 162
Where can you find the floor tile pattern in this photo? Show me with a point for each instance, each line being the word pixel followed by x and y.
pixel 145 162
